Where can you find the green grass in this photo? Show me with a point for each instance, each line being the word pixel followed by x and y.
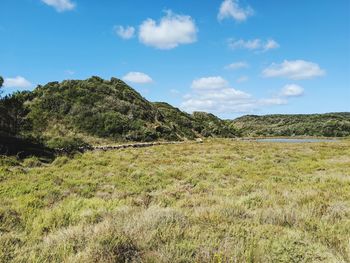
pixel 220 201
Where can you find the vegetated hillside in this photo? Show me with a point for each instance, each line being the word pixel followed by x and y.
pixel 329 124
pixel 196 124
pixel 69 114
pixel 97 108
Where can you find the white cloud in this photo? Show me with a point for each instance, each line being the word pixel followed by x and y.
pixel 242 79
pixel 214 94
pixel 272 101
pixel 237 65
pixel 69 72
pixel 254 44
pixel 60 5
pixel 171 31
pixel 249 44
pixel 292 90
pixel 270 44
pixel 209 83
pixel 125 32
pixel 137 77
pixel 17 82
pixel 216 106
pixel 174 92
pixel 297 69
pixel 231 9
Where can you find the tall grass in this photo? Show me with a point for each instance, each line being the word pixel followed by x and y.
pixel 220 201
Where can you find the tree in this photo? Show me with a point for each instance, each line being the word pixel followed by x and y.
pixel 1 82
pixel 2 108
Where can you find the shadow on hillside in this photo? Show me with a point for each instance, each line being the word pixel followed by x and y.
pixel 23 148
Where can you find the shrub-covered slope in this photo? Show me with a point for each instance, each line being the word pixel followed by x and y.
pixel 94 107
pixel 330 124
pixel 97 108
pixel 196 124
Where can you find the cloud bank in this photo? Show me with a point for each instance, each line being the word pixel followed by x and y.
pixel 214 94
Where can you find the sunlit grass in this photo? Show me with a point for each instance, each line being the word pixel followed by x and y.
pixel 220 201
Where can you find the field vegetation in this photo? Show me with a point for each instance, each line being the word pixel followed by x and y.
pixel 220 201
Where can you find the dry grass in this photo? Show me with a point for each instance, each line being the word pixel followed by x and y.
pixel 220 201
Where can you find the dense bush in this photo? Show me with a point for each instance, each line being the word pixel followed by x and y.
pixel 67 144
pixel 330 125
pixel 13 113
pixel 197 124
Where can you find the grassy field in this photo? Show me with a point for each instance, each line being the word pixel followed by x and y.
pixel 220 201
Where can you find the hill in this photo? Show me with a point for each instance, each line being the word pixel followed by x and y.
pixel 96 110
pixel 73 113
pixel 329 125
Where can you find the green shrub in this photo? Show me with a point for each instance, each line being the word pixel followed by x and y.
pixel 8 161
pixel 67 144
pixel 32 162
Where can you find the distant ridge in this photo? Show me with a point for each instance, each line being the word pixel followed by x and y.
pixel 335 124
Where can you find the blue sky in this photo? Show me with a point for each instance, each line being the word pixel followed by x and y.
pixel 228 57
